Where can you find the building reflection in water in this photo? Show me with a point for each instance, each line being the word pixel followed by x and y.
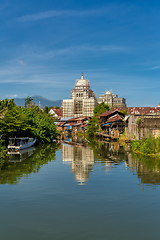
pixel 110 154
pixel 147 168
pixel 81 159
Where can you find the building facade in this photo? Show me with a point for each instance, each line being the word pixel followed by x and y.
pixel 112 100
pixel 140 126
pixel 82 102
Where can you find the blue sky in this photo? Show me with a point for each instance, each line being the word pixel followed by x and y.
pixel 45 45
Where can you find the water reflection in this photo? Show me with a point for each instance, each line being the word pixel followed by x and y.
pixel 146 168
pixel 14 168
pixel 109 154
pixel 19 156
pixel 83 157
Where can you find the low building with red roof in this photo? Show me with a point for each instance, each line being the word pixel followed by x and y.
pixel 57 113
pixel 139 110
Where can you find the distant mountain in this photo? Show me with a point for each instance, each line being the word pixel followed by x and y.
pixel 44 101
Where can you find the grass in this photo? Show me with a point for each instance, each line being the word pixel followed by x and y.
pixel 147 146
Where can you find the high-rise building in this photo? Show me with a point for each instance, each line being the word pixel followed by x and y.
pixel 112 100
pixel 82 102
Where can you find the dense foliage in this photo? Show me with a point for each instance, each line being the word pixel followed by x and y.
pixel 149 145
pixel 46 109
pixel 3 152
pixel 93 125
pixel 101 108
pixel 43 125
pixel 27 122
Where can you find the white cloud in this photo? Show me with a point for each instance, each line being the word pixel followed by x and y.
pixel 41 53
pixel 158 67
pixel 12 95
pixel 108 10
pixel 20 61
pixel 56 13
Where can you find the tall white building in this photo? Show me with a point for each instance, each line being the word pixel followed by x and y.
pixel 112 100
pixel 82 102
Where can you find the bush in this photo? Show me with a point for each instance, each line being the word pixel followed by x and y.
pixel 135 145
pixel 147 146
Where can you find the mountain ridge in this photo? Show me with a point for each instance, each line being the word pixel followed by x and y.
pixel 43 101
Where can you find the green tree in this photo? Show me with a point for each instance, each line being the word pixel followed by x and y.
pixel 28 122
pixel 28 101
pixel 5 104
pixel 45 129
pixel 124 111
pixel 92 127
pixel 50 108
pixel 15 123
pixel 101 108
pixel 46 109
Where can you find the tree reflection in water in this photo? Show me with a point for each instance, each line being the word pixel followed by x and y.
pixel 147 168
pixel 12 171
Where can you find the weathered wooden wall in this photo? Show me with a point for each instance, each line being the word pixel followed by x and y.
pixel 139 126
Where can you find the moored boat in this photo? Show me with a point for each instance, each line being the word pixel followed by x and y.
pixel 16 144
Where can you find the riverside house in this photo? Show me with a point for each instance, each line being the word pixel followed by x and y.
pixel 72 124
pixel 112 123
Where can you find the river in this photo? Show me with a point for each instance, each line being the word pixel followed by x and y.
pixel 84 191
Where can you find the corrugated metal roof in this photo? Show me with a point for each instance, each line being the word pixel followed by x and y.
pixel 84 125
pixel 139 110
pixel 114 118
pixel 65 119
pixel 107 113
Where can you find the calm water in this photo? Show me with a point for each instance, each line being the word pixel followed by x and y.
pixel 96 191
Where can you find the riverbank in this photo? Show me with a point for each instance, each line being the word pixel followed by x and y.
pixel 148 146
